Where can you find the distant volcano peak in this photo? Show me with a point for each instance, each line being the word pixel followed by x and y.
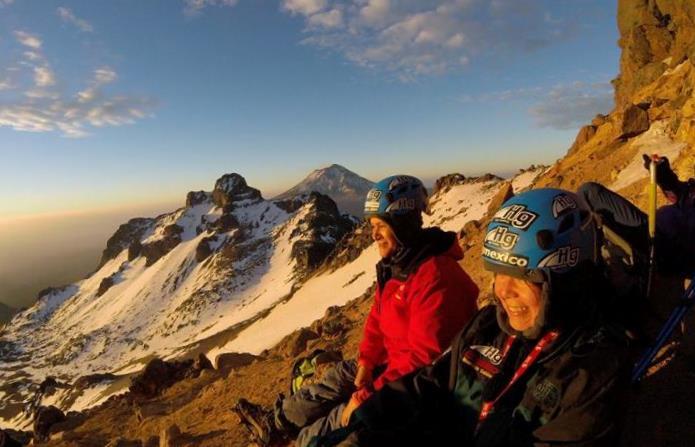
pixel 345 187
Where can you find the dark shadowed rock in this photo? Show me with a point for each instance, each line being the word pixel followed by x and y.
pixel 291 204
pixel 9 438
pixel 105 285
pixel 152 441
pixel 154 250
pixel 202 362
pixel 203 250
pixel 172 230
pixel 134 249
pixel 233 360
pixel 49 386
pixel 85 382
pixel 634 121
pixel 310 254
pixel 232 188
pixel 157 376
pixel 122 442
pixel 44 419
pixel 321 229
pixel 297 341
pixel 226 222
pixel 194 198
pixel 124 236
pixel 170 436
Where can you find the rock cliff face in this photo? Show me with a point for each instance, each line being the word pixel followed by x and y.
pixel 654 102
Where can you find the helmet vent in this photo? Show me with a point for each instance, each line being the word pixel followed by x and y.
pixel 545 239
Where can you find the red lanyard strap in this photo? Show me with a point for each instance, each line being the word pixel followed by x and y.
pixel 543 343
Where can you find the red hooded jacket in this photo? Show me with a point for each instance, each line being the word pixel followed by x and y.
pixel 414 318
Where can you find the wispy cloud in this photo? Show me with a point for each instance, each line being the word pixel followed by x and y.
pixel 5 2
pixel 39 102
pixel 69 17
pixel 28 40
pixel 561 106
pixel 194 7
pixel 573 105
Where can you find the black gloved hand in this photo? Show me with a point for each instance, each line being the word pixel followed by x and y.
pixel 665 177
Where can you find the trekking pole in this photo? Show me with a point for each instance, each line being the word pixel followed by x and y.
pixel 674 319
pixel 652 220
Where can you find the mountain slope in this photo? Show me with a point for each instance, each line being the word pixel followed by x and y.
pixel 346 188
pixel 167 285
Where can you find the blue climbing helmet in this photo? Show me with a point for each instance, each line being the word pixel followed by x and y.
pixel 538 232
pixel 399 201
pixel 396 195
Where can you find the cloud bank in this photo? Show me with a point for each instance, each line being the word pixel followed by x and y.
pixel 412 38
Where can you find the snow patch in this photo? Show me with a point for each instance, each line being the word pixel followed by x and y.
pixel 654 140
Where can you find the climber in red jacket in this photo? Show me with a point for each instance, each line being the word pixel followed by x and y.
pixel 423 299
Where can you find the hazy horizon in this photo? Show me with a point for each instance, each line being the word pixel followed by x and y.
pixel 37 252
pixel 50 250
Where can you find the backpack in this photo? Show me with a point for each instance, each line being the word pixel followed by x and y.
pixel 307 369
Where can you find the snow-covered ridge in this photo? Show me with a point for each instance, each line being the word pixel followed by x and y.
pixel 188 276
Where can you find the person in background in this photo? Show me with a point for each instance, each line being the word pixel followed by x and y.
pixel 423 299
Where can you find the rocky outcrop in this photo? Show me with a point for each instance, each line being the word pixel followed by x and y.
pixel 10 439
pixel 320 230
pixel 585 134
pixel 201 363
pixel 153 251
pixel 655 35
pixel 446 182
pixel 231 188
pixel 203 250
pixel 134 249
pixel 225 223
pixel 633 120
pixel 126 234
pixel 297 341
pixel 105 285
pixel 90 380
pixel 44 419
pixel 159 375
pixel 233 360
pixel 170 436
pixel 350 247
pixel 194 198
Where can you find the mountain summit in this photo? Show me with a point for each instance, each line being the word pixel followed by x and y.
pixel 346 188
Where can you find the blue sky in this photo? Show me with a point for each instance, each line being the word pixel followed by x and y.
pixel 122 103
